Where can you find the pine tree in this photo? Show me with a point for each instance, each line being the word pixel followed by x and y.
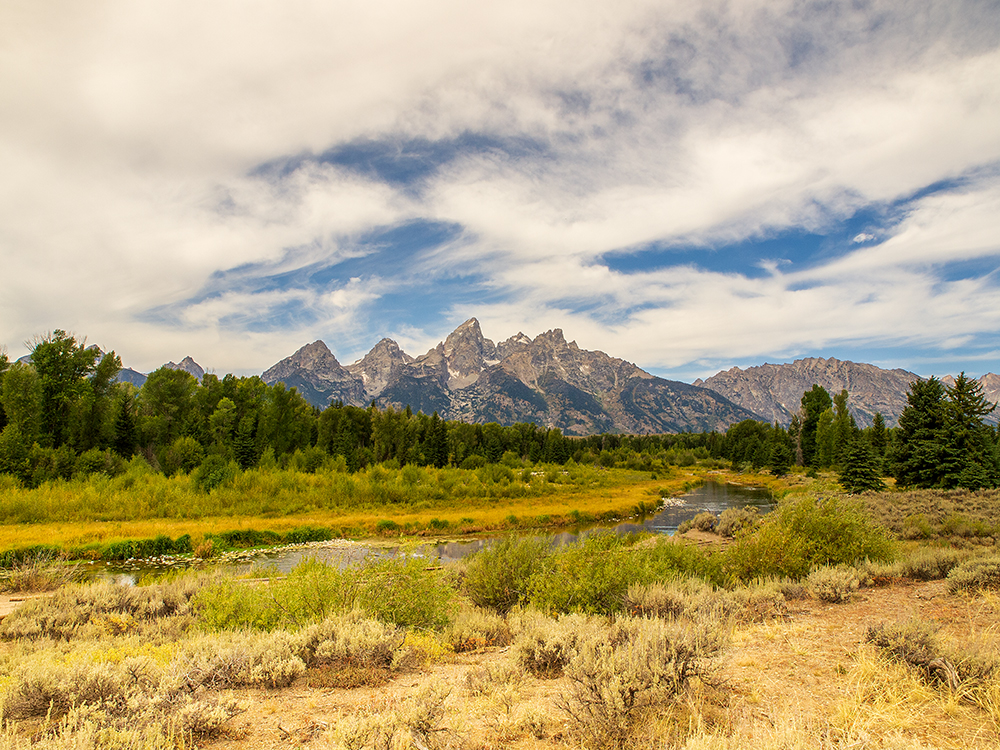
pixel 860 470
pixel 918 454
pixel 126 437
pixel 878 438
pixel 781 456
pixel 971 456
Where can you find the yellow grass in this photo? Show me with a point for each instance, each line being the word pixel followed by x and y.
pixel 464 515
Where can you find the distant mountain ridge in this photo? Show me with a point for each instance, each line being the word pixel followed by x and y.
pixel 775 391
pixel 545 380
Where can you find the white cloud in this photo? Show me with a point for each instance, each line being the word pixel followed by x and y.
pixel 129 134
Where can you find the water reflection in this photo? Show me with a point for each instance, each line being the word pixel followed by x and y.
pixel 713 497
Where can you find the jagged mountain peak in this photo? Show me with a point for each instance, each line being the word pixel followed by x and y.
pixel 545 380
pixel 515 342
pixel 379 366
pixel 466 354
pixel 188 365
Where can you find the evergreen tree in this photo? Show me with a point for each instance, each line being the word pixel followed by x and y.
pixel 971 455
pixel 845 429
pixel 126 431
pixel 781 456
pixel 878 438
pixel 860 470
pixel 814 403
pixel 918 455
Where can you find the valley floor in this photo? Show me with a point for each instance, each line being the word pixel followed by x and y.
pixel 806 680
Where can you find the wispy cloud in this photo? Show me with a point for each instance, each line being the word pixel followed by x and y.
pixel 683 184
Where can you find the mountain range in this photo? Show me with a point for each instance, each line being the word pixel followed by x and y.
pixel 555 383
pixel 545 380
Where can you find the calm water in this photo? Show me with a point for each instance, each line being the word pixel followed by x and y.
pixel 712 497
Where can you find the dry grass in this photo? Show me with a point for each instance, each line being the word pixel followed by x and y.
pixel 795 673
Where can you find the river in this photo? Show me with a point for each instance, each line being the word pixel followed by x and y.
pixel 713 497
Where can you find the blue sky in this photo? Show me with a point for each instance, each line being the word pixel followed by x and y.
pixel 687 185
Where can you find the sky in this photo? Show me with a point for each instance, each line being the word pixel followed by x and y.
pixel 689 185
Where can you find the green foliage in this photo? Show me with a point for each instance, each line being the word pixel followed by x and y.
pixel 594 575
pixel 184 455
pixel 860 468
pixel 215 471
pixel 403 591
pixel 814 403
pixel 942 440
pixel 128 549
pixel 804 533
pixel 399 591
pixel 246 538
pixel 499 576
pixel 590 576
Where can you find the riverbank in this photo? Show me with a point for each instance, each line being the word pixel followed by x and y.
pixel 572 497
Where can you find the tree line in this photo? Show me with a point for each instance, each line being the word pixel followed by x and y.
pixel 941 441
pixel 64 413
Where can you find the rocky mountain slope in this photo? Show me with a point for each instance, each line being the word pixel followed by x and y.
pixel 775 391
pixel 545 380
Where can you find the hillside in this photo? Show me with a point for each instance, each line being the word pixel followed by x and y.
pixel 775 391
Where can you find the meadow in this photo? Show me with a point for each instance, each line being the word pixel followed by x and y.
pixel 84 516
pixel 841 636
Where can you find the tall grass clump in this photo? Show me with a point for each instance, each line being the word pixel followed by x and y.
pixel 804 533
pixel 400 591
pixel 976 575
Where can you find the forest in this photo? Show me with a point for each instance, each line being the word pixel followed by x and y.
pixel 65 415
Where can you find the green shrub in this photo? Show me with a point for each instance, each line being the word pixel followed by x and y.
pixel 128 549
pixel 14 557
pixel 305 534
pixel 499 577
pixel 215 471
pixel 804 533
pixel 404 592
pixel 590 576
pixel 245 538
pixel 475 461
pixel 311 592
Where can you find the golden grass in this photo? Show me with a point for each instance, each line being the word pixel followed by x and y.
pixel 622 492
